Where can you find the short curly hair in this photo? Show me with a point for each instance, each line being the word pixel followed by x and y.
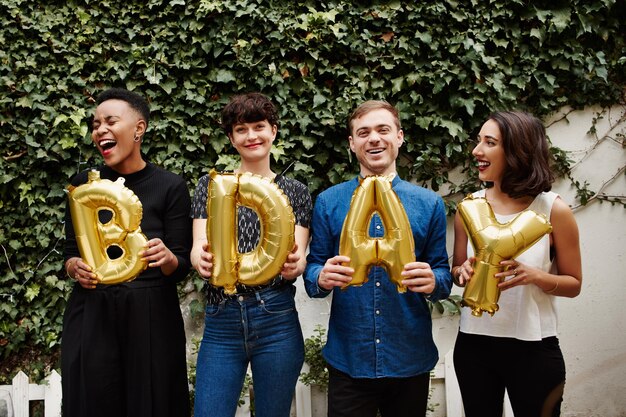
pixel 527 154
pixel 248 108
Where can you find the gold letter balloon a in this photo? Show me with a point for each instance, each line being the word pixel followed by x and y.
pixel 394 250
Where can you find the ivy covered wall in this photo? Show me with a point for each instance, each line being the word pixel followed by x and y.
pixel 445 64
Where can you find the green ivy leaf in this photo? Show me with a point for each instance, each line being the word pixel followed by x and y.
pixel 31 292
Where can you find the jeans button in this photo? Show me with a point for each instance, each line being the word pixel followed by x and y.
pixel 240 298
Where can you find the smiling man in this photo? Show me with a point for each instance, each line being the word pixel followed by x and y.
pixel 380 348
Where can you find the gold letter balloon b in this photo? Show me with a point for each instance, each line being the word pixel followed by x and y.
pixel 123 230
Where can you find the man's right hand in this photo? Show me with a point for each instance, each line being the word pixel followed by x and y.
pixel 334 274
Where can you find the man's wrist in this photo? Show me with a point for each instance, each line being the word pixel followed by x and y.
pixel 320 288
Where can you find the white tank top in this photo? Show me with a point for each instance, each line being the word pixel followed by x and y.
pixel 525 312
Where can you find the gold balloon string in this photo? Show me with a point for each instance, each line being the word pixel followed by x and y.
pixel 18 289
pixel 287 169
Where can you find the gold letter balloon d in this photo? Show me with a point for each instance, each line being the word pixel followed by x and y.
pixel 277 237
pixel 494 242
pixel 394 250
pixel 123 230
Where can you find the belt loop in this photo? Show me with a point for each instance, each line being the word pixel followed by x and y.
pixel 258 296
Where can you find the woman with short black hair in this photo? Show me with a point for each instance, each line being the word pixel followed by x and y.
pixel 123 345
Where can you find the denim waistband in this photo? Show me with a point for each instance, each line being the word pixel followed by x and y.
pixel 257 295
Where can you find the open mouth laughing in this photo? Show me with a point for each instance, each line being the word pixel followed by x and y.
pixel 482 165
pixel 106 145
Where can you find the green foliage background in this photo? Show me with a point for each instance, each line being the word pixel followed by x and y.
pixel 445 64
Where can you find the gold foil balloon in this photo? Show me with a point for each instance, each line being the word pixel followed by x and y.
pixel 222 229
pixel 394 250
pixel 494 242
pixel 277 237
pixel 123 230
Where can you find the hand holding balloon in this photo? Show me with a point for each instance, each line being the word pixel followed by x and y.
pixel 419 277
pixel 78 270
pixel 205 263
pixel 157 255
pixel 335 274
pixel 464 272
pixel 292 268
pixel 517 274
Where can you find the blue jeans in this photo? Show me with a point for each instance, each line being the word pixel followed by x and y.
pixel 261 329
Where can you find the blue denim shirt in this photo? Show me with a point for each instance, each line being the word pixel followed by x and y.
pixel 374 331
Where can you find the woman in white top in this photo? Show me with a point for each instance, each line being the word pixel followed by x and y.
pixel 517 348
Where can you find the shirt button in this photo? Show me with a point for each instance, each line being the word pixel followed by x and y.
pixel 378 226
pixel 378 284
pixel 377 340
pixel 377 311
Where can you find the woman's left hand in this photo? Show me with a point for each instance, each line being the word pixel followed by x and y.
pixel 517 274
pixel 291 268
pixel 157 254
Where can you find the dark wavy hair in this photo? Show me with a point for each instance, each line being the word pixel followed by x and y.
pixel 134 100
pixel 369 106
pixel 248 108
pixel 527 154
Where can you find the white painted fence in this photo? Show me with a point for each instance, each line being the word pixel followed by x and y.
pixel 21 392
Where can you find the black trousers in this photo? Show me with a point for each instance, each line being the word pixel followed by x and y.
pixel 123 352
pixel 533 373
pixel 364 397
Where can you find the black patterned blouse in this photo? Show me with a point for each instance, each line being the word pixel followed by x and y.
pixel 249 226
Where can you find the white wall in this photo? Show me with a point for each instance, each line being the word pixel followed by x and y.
pixel 592 326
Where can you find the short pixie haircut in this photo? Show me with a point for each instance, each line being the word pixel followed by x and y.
pixel 134 100
pixel 248 108
pixel 369 106
pixel 527 154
